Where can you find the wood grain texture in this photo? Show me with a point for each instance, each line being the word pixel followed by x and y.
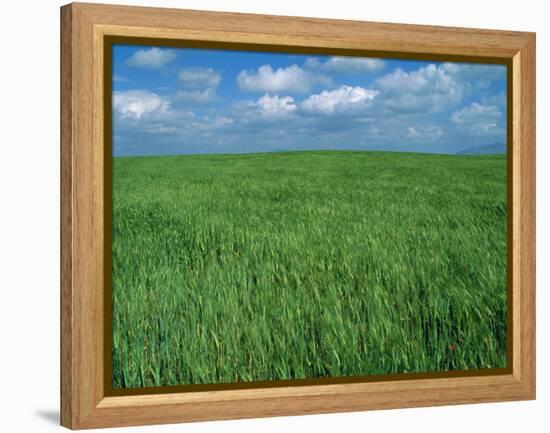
pixel 308 32
pixel 67 386
pixel 524 62
pixel 84 26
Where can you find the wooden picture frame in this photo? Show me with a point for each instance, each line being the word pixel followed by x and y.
pixel 85 28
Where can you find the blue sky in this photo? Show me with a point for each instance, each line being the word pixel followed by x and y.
pixel 183 101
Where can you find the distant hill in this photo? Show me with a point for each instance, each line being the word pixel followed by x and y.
pixel 484 149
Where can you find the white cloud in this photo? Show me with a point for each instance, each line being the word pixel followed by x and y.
pixel 479 119
pixel 274 106
pixel 344 99
pixel 159 128
pixel 312 63
pixel 120 79
pixel 210 123
pixel 474 72
pixel 196 96
pixel 152 58
pixel 476 78
pixel 291 79
pixel 499 100
pixel 134 104
pixel 349 65
pixel 428 133
pixel 430 88
pixel 221 121
pixel 197 77
pixel 412 132
pixel 474 112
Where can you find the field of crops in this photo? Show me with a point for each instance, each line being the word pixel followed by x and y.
pixel 296 265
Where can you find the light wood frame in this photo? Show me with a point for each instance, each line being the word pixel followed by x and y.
pixel 84 403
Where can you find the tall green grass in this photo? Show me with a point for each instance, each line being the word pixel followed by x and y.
pixel 231 268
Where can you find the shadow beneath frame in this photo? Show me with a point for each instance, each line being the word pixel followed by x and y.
pixel 49 415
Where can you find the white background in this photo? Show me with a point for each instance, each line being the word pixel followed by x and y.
pixel 29 215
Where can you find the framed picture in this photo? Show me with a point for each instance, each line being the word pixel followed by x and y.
pixel 266 216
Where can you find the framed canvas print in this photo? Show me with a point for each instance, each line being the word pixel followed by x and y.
pixel 270 216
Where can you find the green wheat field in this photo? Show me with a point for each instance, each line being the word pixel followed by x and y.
pixel 271 266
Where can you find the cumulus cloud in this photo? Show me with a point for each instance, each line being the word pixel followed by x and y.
pixel 430 88
pixel 219 122
pixel 276 105
pixel 345 99
pixel 152 58
pixel 474 72
pixel 413 108
pixel 347 65
pixel 290 79
pixel 269 107
pixel 134 104
pixel 196 96
pixel 429 133
pixel 499 100
pixel 479 119
pixel 197 77
pixel 159 128
pixel 476 78
pixel 208 123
